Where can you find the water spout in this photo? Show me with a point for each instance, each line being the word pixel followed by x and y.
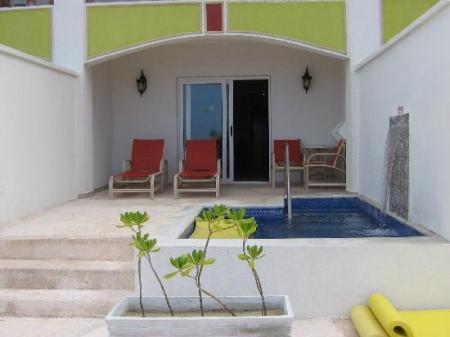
pixel 395 184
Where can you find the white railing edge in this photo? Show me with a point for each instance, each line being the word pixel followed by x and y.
pixel 25 8
pixel 5 50
pixel 431 13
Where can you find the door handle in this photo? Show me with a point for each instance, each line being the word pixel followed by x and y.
pixel 231 130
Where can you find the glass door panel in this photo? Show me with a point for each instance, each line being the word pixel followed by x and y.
pixel 203 115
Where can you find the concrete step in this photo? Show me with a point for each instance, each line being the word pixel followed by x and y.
pixel 58 303
pixel 113 249
pixel 66 274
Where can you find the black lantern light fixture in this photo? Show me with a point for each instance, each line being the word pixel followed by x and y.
pixel 141 83
pixel 307 78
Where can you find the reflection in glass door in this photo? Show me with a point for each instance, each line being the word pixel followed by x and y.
pixel 203 113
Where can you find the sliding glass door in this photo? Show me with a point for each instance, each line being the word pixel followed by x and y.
pixel 236 113
pixel 205 115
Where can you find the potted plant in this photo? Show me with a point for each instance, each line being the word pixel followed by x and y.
pixel 205 314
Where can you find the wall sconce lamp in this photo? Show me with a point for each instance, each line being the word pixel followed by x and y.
pixel 307 78
pixel 141 83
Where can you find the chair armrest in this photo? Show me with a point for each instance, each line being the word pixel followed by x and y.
pixel 218 166
pixel 180 166
pixel 324 154
pixel 163 165
pixel 126 165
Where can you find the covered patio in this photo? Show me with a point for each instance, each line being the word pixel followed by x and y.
pixel 227 88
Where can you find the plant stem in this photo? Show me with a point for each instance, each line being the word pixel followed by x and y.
pixel 200 270
pixel 140 286
pixel 257 280
pixel 140 276
pixel 199 286
pixel 149 259
pixel 218 301
pixel 260 290
pixel 201 290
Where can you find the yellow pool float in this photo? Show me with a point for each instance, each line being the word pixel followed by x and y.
pixel 381 319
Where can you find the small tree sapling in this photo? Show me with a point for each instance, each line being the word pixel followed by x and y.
pixel 135 222
pixel 215 217
pixel 247 227
pixel 145 247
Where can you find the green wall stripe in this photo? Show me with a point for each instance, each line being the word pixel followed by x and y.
pixel 398 14
pixel 111 28
pixel 28 30
pixel 321 23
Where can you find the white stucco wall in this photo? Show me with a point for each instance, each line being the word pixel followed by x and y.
pixel 311 117
pixel 414 73
pixel 363 38
pixel 364 19
pixel 37 135
pixel 102 125
pixel 322 277
pixel 69 50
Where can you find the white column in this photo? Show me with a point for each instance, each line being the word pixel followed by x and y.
pixel 364 36
pixel 69 50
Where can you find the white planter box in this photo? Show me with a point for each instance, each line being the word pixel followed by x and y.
pixel 226 326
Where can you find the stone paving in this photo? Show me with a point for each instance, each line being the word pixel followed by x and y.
pixel 97 216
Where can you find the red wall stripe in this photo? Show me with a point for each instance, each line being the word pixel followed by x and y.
pixel 214 21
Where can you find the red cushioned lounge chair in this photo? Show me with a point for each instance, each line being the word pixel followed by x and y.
pixel 295 157
pixel 334 160
pixel 200 170
pixel 139 174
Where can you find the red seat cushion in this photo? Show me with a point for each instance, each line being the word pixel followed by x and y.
pixel 136 174
pixel 295 148
pixel 147 155
pixel 198 174
pixel 201 155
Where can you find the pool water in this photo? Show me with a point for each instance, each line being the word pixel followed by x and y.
pixel 330 223
pixel 328 218
pixel 348 217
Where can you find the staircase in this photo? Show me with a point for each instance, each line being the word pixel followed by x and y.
pixel 63 277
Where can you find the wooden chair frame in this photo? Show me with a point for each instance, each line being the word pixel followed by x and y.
pixel 310 164
pixel 276 168
pixel 150 180
pixel 178 182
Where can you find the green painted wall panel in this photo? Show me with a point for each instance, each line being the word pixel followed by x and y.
pixel 320 23
pixel 28 30
pixel 398 14
pixel 112 28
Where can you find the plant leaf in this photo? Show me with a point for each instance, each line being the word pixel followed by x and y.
pixel 208 261
pixel 170 275
pixel 243 257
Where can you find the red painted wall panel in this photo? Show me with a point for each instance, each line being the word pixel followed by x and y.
pixel 214 21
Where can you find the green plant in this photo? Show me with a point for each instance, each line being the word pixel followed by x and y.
pixel 247 227
pixel 194 262
pixel 215 217
pixel 191 265
pixel 145 246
